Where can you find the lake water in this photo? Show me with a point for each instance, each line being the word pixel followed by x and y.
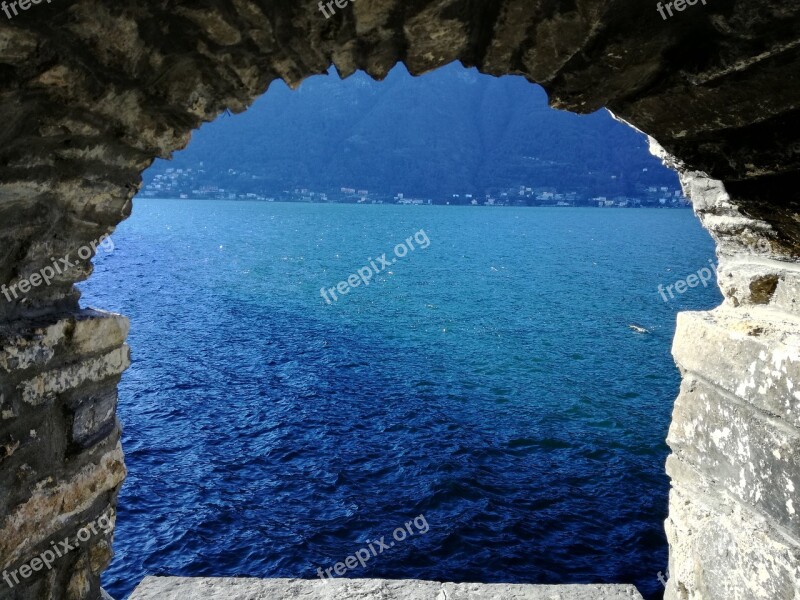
pixel 489 381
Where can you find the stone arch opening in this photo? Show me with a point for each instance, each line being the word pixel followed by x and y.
pixel 93 91
pixel 169 316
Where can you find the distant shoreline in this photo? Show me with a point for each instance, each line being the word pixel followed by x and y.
pixel 261 201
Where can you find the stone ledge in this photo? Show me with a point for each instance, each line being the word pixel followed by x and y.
pixel 756 356
pixel 46 386
pixel 761 282
pixel 88 332
pixel 227 588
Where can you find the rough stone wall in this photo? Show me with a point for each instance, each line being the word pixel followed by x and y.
pixel 92 90
pixel 734 521
pixel 61 463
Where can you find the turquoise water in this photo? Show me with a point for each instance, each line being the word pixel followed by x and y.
pixel 489 381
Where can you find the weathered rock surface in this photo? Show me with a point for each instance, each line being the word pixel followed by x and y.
pixel 734 526
pixel 92 90
pixel 61 463
pixel 184 588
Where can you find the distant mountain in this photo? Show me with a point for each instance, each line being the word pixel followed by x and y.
pixel 451 131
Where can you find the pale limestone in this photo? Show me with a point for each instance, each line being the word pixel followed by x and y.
pixel 182 588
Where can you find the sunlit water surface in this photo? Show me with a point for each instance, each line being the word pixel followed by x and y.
pixel 490 382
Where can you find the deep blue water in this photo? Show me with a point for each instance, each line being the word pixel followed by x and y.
pixel 490 382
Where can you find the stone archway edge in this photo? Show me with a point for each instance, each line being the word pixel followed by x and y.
pixel 91 91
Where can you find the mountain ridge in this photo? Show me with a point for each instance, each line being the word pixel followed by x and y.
pixel 452 131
